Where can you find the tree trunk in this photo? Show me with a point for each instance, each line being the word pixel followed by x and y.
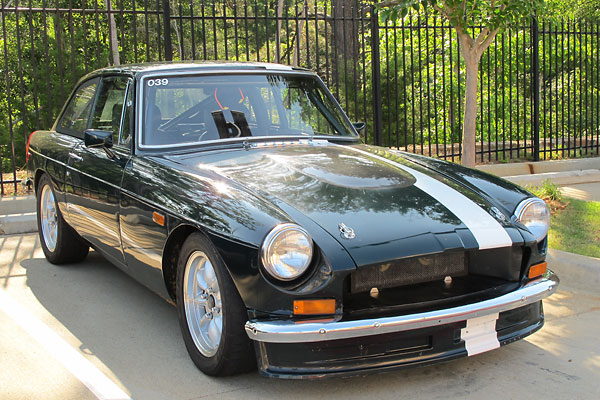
pixel 471 51
pixel 470 117
pixel 471 54
pixel 112 30
pixel 345 38
pixel 346 31
pixel 299 32
pixel 179 36
pixel 278 33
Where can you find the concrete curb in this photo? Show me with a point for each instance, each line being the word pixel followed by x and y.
pixel 558 178
pixel 18 223
pixel 575 270
pixel 18 215
pixel 541 167
pixel 17 204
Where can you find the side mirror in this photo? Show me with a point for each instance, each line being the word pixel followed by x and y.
pixel 98 138
pixel 360 128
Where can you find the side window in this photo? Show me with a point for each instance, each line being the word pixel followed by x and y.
pixel 75 119
pixel 110 105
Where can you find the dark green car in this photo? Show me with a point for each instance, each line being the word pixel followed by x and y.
pixel 243 194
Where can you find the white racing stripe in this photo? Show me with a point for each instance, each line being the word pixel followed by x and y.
pixel 487 230
pixel 98 383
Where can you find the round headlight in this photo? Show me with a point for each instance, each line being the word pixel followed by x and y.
pixel 535 215
pixel 287 251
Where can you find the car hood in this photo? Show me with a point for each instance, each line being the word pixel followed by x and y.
pixel 379 195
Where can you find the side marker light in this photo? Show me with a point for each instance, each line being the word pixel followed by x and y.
pixel 158 218
pixel 537 270
pixel 313 307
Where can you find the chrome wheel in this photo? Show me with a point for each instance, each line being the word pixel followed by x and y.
pixel 48 218
pixel 202 302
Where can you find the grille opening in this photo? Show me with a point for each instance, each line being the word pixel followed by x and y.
pixel 419 284
pixel 426 296
pixel 409 271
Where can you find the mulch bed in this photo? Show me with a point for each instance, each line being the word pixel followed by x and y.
pixel 9 188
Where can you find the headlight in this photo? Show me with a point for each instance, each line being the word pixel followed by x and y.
pixel 287 251
pixel 535 215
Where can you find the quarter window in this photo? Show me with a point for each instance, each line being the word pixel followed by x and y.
pixel 125 136
pixel 75 119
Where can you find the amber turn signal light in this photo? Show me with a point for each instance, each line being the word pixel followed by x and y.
pixel 313 307
pixel 158 218
pixel 537 270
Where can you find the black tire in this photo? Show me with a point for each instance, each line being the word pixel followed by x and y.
pixel 235 352
pixel 67 247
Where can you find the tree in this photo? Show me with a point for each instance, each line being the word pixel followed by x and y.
pixel 476 22
pixel 580 9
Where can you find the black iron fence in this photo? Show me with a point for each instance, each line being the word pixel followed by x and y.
pixel 539 83
pixel 538 91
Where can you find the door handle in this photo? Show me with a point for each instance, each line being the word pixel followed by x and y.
pixel 75 157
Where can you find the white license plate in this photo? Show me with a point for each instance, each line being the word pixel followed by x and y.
pixel 480 334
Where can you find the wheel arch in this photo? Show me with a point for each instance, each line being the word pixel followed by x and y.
pixel 171 255
pixel 172 249
pixel 36 179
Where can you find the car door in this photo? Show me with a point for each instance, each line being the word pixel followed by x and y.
pixel 95 173
pixel 69 130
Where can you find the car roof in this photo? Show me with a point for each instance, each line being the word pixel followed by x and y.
pixel 184 66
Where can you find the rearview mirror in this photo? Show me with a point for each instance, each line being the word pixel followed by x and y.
pixel 98 138
pixel 360 128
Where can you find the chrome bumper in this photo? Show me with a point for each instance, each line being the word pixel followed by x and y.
pixel 290 332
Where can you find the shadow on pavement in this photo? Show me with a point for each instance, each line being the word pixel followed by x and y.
pixel 136 335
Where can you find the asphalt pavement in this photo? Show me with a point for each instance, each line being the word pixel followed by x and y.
pixel 89 331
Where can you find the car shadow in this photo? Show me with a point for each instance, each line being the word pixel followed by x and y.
pixel 135 334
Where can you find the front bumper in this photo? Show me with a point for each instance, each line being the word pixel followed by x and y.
pixel 300 350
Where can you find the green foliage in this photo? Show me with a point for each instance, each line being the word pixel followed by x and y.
pixel 576 9
pixel 423 80
pixel 548 191
pixel 44 54
pixel 422 74
pixel 463 14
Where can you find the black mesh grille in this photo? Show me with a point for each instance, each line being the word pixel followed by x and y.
pixel 409 271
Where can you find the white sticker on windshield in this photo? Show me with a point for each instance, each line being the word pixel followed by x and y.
pixel 158 82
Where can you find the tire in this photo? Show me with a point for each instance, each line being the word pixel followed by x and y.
pixel 60 243
pixel 211 312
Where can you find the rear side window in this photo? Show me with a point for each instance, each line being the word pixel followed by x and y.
pixel 74 120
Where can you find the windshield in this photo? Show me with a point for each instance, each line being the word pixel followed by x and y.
pixel 189 109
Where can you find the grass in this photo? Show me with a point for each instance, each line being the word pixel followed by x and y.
pixel 575 223
pixel 576 228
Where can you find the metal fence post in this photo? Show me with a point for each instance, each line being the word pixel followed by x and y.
pixel 167 21
pixel 535 87
pixel 377 111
